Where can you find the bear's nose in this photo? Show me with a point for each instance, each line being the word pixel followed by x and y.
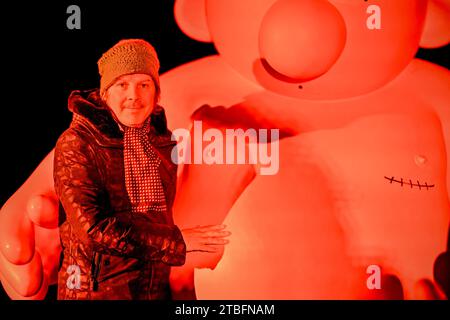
pixel 302 39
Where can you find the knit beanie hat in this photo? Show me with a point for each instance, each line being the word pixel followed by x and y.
pixel 128 57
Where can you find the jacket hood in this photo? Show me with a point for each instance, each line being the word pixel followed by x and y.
pixel 90 107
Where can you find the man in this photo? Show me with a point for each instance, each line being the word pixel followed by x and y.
pixel 116 182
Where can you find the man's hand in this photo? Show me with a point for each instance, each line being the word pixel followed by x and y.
pixel 205 238
pixel 204 246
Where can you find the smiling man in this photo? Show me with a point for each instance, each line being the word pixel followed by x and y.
pixel 133 107
pixel 116 183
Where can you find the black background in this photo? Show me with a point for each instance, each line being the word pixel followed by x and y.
pixel 43 61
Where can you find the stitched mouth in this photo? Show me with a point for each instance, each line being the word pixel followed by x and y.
pixel 410 183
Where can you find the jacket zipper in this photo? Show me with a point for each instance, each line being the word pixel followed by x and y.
pixel 95 269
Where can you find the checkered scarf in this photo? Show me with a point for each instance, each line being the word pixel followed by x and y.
pixel 142 179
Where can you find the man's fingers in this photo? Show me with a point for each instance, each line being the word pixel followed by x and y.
pixel 208 248
pixel 213 241
pixel 216 234
pixel 211 228
pixel 208 231
pixel 223 234
pixel 204 238
pixel 203 249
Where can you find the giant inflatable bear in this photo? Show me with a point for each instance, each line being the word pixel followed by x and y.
pixel 361 186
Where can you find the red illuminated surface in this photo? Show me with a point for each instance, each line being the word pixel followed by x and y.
pixel 364 138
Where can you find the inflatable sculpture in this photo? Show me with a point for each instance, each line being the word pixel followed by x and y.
pixel 359 185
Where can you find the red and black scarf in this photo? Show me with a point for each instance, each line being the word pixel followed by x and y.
pixel 142 179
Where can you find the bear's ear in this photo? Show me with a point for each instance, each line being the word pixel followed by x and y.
pixel 436 31
pixel 190 16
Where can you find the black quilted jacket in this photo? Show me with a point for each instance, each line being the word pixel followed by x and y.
pixel 108 252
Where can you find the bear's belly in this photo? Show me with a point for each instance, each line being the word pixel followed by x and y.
pixel 311 230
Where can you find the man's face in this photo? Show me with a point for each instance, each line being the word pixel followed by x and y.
pixel 132 98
